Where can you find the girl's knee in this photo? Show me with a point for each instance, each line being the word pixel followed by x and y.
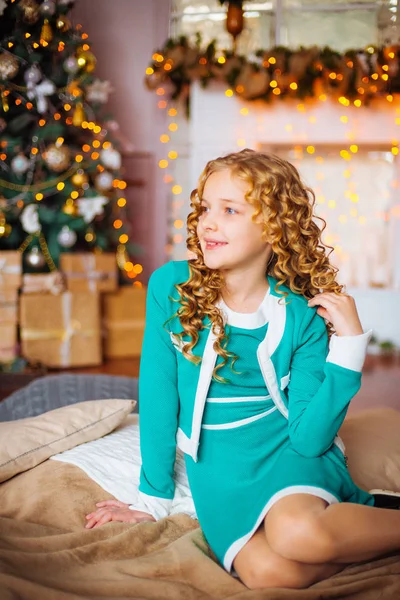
pixel 300 537
pixel 268 575
pixel 259 567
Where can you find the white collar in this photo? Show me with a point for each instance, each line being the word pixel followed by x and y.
pixel 246 320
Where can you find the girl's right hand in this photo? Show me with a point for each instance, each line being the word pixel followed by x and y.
pixel 114 510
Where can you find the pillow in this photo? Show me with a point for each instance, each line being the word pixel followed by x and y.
pixel 372 440
pixel 114 462
pixel 27 442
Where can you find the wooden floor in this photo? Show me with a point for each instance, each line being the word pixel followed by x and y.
pixel 380 382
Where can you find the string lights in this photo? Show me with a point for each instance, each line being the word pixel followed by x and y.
pixel 349 208
pixel 166 163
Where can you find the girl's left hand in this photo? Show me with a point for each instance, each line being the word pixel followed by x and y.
pixel 114 510
pixel 340 310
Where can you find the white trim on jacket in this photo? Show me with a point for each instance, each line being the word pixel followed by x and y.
pixel 275 311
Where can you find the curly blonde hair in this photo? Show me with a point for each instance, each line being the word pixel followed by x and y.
pixel 299 259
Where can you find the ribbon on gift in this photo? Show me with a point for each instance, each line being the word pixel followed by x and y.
pixel 6 269
pixel 43 283
pixel 71 327
pixel 92 278
pixel 90 273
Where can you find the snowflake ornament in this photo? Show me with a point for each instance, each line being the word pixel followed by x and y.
pixel 99 91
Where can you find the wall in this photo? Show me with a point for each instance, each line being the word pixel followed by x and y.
pixel 124 35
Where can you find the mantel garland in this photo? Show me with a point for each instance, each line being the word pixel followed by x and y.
pixel 356 76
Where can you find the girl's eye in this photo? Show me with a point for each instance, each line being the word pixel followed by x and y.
pixel 203 209
pixel 233 211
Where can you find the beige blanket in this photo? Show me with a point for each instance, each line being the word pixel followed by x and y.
pixel 46 554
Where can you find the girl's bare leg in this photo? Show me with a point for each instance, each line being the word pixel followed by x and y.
pixel 304 528
pixel 259 567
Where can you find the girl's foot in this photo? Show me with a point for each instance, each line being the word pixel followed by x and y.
pixel 386 499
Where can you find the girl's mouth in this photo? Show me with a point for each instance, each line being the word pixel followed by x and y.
pixel 212 245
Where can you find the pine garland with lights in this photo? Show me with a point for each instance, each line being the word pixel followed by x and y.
pixel 60 170
pixel 356 76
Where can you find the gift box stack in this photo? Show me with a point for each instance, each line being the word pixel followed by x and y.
pixel 10 281
pixel 60 313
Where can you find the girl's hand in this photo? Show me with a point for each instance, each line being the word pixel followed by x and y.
pixel 340 310
pixel 113 510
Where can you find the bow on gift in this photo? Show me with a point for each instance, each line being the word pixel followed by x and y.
pixel 39 92
pixel 44 282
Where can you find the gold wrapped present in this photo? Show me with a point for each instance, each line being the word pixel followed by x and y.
pixel 61 331
pixel 8 324
pixel 10 269
pixel 45 283
pixel 86 271
pixel 8 305
pixel 8 342
pixel 124 318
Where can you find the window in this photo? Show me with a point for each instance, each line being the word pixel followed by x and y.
pixel 336 23
pixel 356 199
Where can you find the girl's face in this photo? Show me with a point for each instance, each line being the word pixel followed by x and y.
pixel 228 236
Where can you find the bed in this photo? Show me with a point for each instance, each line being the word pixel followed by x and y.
pixel 47 554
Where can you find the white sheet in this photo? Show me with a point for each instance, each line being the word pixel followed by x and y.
pixel 114 460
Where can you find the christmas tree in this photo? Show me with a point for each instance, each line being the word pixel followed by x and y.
pixel 60 170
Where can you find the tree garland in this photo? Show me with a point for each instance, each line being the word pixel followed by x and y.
pixel 355 76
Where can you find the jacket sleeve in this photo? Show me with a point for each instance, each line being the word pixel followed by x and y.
pixel 158 403
pixel 322 383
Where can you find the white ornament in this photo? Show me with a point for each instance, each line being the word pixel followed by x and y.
pixel 20 164
pixel 71 65
pixel 35 258
pixel 98 91
pixel 67 237
pixel 3 6
pixel 111 158
pixel 48 8
pixel 104 181
pixel 30 219
pixel 89 208
pixel 40 91
pixel 32 75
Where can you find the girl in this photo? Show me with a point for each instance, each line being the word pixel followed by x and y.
pixel 251 356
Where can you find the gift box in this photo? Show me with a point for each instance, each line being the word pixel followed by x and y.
pixel 123 321
pixel 8 305
pixel 10 269
pixel 62 330
pixel 89 272
pixel 8 342
pixel 44 283
pixel 8 324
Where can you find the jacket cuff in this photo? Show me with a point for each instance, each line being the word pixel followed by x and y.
pixel 349 351
pixel 155 506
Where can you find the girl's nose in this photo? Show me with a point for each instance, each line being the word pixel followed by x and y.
pixel 209 222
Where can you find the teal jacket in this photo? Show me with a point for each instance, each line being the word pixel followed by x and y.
pixel 310 383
